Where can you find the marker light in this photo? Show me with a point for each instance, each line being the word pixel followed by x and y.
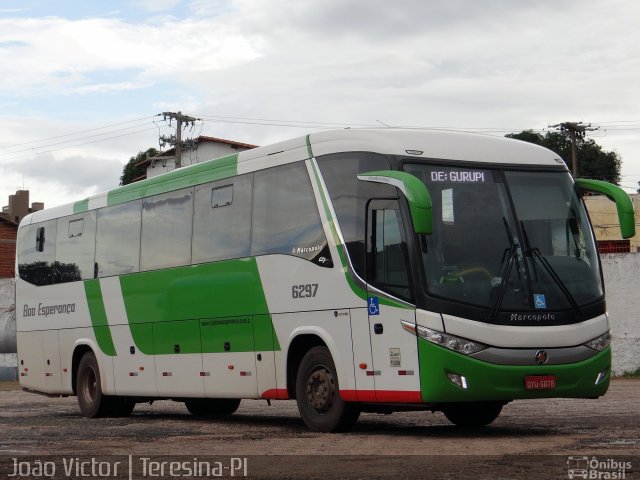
pixel 602 376
pixel 457 344
pixel 458 380
pixel 600 343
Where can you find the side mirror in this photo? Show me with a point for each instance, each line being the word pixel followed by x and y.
pixel 412 188
pixel 624 205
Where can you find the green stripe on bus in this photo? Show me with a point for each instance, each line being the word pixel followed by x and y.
pixel 99 317
pixel 210 171
pixel 222 305
pixel 81 206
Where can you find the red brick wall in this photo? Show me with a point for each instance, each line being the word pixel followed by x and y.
pixel 8 234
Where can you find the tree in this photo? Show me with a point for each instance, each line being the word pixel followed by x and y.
pixel 132 170
pixel 593 161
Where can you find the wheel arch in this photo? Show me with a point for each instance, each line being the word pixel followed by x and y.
pixel 81 347
pixel 300 344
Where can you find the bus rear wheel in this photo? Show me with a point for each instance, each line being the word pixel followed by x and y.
pixel 212 407
pixel 318 394
pixel 93 403
pixel 472 414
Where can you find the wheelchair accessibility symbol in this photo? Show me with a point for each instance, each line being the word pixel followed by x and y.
pixel 539 301
pixel 374 307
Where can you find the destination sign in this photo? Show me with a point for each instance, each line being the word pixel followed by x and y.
pixel 458 176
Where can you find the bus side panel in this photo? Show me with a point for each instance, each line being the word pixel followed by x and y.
pixel 334 331
pixel 134 371
pixel 31 360
pixel 52 368
pixel 362 358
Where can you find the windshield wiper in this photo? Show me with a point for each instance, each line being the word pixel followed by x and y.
pixel 505 273
pixel 535 252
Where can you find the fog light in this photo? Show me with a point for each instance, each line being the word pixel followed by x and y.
pixel 458 380
pixel 602 376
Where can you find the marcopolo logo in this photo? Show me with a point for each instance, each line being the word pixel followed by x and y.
pixel 597 468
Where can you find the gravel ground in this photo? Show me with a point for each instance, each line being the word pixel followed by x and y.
pixel 531 439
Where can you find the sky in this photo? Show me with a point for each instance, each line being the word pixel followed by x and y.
pixel 82 83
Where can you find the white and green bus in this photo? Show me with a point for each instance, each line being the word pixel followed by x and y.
pixel 370 270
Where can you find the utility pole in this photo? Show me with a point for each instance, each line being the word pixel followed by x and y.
pixel 574 130
pixel 177 139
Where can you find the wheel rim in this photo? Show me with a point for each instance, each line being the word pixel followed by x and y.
pixel 90 385
pixel 320 389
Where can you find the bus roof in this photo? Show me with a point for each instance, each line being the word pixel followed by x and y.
pixel 417 143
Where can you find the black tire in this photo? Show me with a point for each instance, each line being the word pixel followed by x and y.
pixel 212 407
pixel 121 406
pixel 92 402
pixel 472 414
pixel 318 394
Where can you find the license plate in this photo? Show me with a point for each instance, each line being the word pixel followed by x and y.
pixel 540 382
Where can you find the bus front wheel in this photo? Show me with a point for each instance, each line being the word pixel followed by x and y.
pixel 472 414
pixel 318 394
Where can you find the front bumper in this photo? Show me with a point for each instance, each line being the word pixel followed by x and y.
pixel 491 382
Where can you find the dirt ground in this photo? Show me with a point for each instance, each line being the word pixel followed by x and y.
pixel 531 439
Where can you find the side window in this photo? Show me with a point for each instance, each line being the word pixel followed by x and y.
pixel 118 239
pixel 349 196
pixel 166 230
pixel 387 255
pixel 75 248
pixel 222 220
pixel 285 215
pixel 37 252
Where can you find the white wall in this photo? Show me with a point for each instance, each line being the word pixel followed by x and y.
pixel 622 282
pixel 7 316
pixel 8 361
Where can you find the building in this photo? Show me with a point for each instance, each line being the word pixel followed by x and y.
pixel 8 234
pixel 606 226
pixel 10 217
pixel 195 151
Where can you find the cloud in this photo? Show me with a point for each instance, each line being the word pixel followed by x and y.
pixel 459 63
pixel 49 56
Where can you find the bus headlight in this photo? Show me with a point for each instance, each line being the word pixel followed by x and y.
pixel 600 343
pixel 457 344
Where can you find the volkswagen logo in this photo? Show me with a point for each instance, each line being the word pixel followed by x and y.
pixel 541 357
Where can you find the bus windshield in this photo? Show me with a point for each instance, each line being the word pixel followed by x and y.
pixel 508 241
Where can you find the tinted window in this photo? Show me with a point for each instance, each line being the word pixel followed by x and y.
pixel 285 215
pixel 166 230
pixel 222 220
pixel 37 252
pixel 118 239
pixel 349 196
pixel 75 247
pixel 387 256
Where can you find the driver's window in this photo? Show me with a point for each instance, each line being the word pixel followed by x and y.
pixel 387 249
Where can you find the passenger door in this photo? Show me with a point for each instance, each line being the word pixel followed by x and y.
pixel 394 350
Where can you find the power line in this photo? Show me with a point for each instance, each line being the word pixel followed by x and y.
pixel 23 155
pixel 79 132
pixel 29 149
